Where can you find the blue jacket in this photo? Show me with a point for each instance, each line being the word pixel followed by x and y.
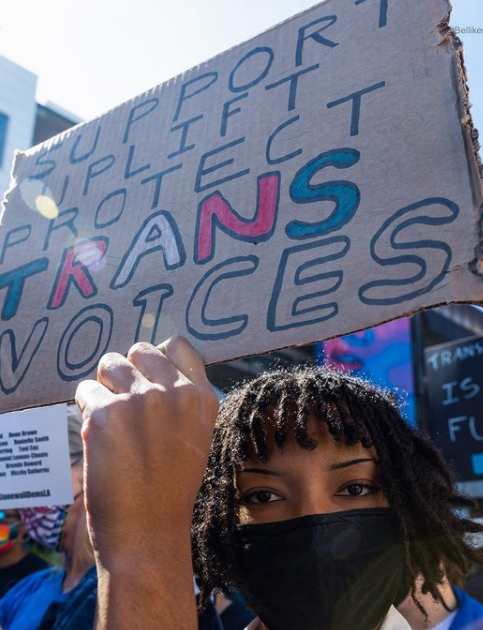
pixel 24 605
pixel 470 613
pixel 77 612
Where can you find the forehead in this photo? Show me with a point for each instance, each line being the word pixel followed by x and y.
pixel 327 449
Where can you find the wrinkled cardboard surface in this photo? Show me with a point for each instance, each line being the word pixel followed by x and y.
pixel 275 213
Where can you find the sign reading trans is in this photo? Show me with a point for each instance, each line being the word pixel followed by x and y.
pixel 316 180
pixel 454 391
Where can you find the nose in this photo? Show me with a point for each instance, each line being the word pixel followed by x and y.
pixel 317 507
pixel 314 498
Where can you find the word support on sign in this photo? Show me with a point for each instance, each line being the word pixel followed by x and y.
pixel 321 167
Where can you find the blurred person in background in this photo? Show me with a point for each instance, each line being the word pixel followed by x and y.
pixel 234 612
pixel 456 611
pixel 474 585
pixel 16 560
pixel 78 610
pixel 60 528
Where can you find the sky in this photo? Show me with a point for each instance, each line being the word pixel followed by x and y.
pixel 91 55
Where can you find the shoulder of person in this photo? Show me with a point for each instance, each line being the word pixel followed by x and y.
pixel 469 609
pixel 31 582
pixel 13 599
pixel 254 625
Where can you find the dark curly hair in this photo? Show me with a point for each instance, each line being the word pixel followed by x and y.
pixel 415 479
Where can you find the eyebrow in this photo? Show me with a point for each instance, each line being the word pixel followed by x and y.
pixel 261 471
pixel 351 462
pixel 336 466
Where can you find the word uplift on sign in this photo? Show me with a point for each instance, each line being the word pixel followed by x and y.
pixel 308 183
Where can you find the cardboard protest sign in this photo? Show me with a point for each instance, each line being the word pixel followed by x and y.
pixel 316 180
pixel 34 458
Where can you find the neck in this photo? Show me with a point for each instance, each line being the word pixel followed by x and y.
pixel 75 570
pixel 12 556
pixel 436 611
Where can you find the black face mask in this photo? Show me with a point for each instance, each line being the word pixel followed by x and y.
pixel 339 571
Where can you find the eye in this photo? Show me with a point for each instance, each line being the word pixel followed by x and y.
pixel 358 490
pixel 258 497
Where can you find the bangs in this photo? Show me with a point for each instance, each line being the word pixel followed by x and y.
pixel 279 406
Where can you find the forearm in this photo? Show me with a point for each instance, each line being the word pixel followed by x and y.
pixel 154 593
pixel 148 426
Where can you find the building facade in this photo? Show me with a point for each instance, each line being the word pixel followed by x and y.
pixel 23 121
pixel 17 114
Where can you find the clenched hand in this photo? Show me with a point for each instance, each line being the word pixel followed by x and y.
pixel 148 424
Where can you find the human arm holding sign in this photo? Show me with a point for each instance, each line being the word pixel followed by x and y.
pixel 148 423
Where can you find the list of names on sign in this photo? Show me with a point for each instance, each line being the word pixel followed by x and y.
pixel 34 458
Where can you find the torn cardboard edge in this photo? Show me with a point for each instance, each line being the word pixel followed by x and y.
pixel 17 156
pixel 470 133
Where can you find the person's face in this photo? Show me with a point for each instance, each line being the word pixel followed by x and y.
pixel 11 518
pixel 296 482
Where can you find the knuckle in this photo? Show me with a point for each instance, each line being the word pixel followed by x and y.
pixel 82 396
pixel 108 362
pixel 177 344
pixel 139 349
pixel 79 396
pixel 90 424
pixel 102 413
pixel 188 392
pixel 86 430
pixel 184 399
pixel 143 398
pixel 148 400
